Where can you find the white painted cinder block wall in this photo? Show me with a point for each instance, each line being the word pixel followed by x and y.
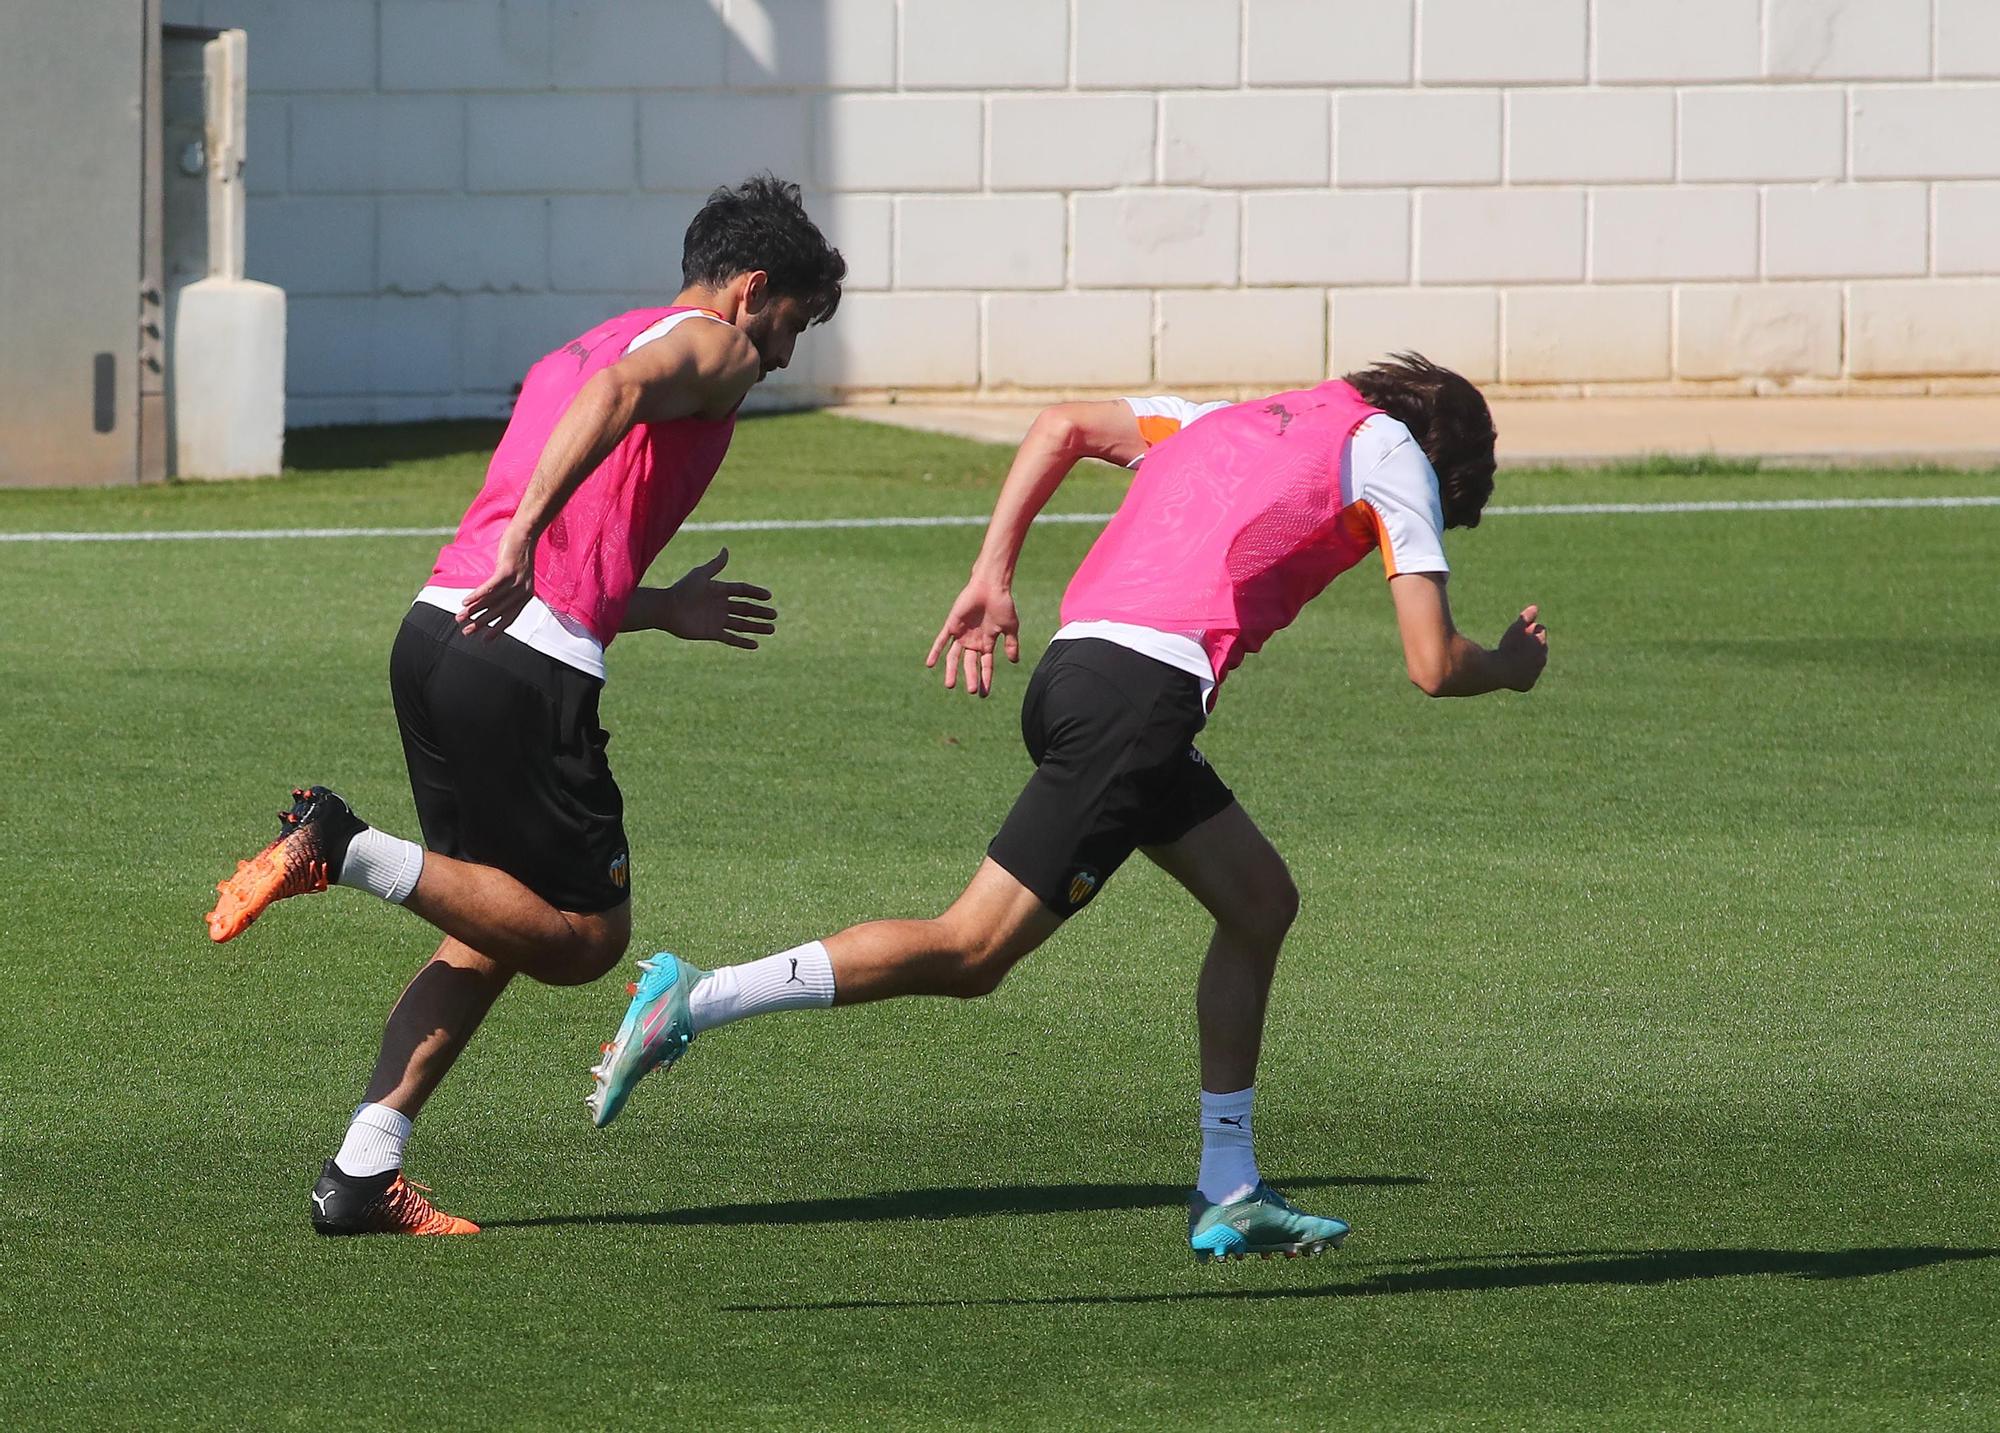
pixel 1075 195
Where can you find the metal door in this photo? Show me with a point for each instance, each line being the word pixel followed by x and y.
pixel 80 312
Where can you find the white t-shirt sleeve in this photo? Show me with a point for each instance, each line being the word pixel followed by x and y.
pixel 1395 479
pixel 1162 416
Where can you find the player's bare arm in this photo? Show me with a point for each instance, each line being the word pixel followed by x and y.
pixel 700 370
pixel 701 608
pixel 983 617
pixel 1444 662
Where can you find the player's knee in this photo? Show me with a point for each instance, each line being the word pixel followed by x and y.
pixel 1269 906
pixel 601 954
pixel 591 951
pixel 980 975
pixel 974 959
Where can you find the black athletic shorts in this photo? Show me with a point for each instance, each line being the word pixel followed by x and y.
pixel 1112 736
pixel 507 761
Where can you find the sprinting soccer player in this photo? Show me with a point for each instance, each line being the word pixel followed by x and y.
pixel 1240 515
pixel 497 669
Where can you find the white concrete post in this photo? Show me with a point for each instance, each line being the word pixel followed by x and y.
pixel 228 341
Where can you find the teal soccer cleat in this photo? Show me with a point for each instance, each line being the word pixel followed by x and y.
pixel 1260 1223
pixel 656 1031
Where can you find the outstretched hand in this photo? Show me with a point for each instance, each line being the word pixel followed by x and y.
pixel 701 609
pixel 982 619
pixel 1525 648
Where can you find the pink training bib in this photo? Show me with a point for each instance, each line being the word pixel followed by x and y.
pixel 1232 525
pixel 594 554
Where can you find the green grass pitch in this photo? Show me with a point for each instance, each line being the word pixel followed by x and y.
pixel 1644 1027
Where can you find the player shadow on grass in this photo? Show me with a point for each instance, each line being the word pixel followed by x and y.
pixel 947 1203
pixel 1523 1270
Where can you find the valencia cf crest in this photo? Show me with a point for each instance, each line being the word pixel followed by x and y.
pixel 1080 886
pixel 620 869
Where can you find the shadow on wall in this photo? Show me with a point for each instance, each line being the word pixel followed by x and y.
pixel 450 192
pixel 795 45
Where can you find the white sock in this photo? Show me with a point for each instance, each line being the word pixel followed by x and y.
pixel 797 979
pixel 374 1141
pixel 1228 1163
pixel 384 864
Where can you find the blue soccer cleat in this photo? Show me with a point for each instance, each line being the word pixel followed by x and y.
pixel 656 1031
pixel 1260 1223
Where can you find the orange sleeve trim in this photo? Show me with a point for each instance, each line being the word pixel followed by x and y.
pixel 1156 429
pixel 1373 521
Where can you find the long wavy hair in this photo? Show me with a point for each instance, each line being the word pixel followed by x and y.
pixel 1449 419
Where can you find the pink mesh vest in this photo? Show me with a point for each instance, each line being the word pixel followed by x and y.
pixel 598 548
pixel 1232 525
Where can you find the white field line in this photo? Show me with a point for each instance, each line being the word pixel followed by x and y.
pixel 979 520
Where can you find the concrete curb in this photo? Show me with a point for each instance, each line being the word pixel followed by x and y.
pixel 1947 432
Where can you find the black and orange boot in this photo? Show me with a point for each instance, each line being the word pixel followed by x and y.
pixel 312 842
pixel 383 1203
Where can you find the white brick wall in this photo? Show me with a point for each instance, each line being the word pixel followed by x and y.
pixel 1579 335
pixel 1459 328
pixel 1763 134
pixel 1329 42
pixel 327 45
pixel 1156 44
pixel 1914 330
pixel 617 243
pixel 1032 141
pixel 891 142
pixel 849 45
pixel 373 144
pixel 1012 241
pixel 1095 340
pixel 464 45
pixel 464 244
pixel 1835 230
pixel 1848 39
pixel 1967 240
pixel 1418 137
pixel 1101 195
pixel 550 144
pixel 1928 132
pixel 1519 42
pixel 685 140
pixel 635 44
pixel 1321 237
pixel 1245 140
pixel 1684 42
pixel 1166 238
pixel 907 340
pixel 1661 232
pixel 1500 235
pixel 975 44
pixel 312 247
pixel 1215 338
pixel 1968 39
pixel 1759 331
pixel 1575 135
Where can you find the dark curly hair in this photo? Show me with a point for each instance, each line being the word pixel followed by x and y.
pixel 1450 421
pixel 761 224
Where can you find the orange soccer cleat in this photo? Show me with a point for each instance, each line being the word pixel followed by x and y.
pixel 378 1204
pixel 312 842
